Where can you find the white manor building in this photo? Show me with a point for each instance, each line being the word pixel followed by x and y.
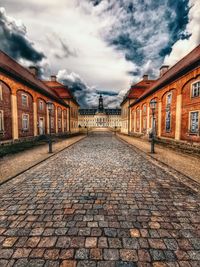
pixel 100 118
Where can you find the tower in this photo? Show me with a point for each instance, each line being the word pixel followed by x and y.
pixel 101 109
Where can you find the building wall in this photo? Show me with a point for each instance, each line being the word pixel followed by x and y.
pixel 5 109
pixel 25 109
pixel 126 123
pixel 73 127
pixel 100 120
pixel 180 108
pixel 13 110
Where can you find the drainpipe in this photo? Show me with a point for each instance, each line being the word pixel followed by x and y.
pixel 69 120
pixel 128 116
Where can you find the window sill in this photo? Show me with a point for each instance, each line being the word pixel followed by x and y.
pixel 190 133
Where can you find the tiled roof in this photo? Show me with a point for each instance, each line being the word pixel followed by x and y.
pixel 137 90
pixel 11 67
pixel 61 90
pixel 190 61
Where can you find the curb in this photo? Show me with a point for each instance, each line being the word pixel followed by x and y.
pixel 32 166
pixel 186 180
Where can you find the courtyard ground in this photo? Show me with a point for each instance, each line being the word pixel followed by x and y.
pixel 12 165
pixel 186 164
pixel 99 203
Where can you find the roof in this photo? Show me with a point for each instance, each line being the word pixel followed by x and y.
pixel 137 90
pixel 61 90
pixel 114 111
pixel 9 66
pixel 187 63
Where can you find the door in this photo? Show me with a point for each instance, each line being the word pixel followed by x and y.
pixel 41 126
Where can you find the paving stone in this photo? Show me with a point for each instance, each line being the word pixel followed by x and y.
pixel 86 264
pixel 6 253
pixel 99 203
pixel 66 254
pixel 128 255
pixel 111 254
pixel 68 263
pixel 82 254
pixel 91 242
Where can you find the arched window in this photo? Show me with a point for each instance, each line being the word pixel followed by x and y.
pixel 196 89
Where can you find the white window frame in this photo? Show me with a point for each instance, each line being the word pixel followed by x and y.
pixel 41 104
pixel 192 89
pixel 24 95
pixel 169 104
pixel 1 121
pixel 59 123
pixel 25 114
pixel 189 125
pixel 1 92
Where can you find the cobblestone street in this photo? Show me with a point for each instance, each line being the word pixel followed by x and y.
pixel 98 203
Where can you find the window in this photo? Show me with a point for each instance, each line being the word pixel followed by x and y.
pixel 65 124
pixel 194 122
pixel 196 89
pixel 41 105
pixel 1 92
pixel 169 99
pixel 144 108
pixel 59 123
pixel 1 121
pixel 25 122
pixel 144 123
pixel 52 123
pixel 24 100
pixel 168 121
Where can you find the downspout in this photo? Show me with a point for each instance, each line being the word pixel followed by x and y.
pixel 128 116
pixel 69 119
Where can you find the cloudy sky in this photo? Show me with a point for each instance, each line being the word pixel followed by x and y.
pixel 99 45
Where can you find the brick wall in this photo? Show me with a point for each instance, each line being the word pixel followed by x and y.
pixel 25 109
pixel 5 106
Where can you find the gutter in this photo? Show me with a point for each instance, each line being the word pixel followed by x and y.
pixel 169 80
pixel 29 84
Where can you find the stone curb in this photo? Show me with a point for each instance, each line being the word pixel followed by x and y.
pixel 32 166
pixel 186 180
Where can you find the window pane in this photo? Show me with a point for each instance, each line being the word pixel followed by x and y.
pixel 196 89
pixel 168 121
pixel 194 122
pixel 25 124
pixel 1 121
pixel 24 100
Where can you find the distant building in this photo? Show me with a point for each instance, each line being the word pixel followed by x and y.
pixel 100 117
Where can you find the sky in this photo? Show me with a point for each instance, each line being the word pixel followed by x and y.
pixel 99 46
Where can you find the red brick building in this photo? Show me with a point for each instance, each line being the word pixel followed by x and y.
pixel 177 93
pixel 23 103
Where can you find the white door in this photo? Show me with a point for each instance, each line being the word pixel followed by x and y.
pixel 41 126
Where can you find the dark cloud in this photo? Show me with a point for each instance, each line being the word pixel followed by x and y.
pixel 87 96
pixel 145 30
pixel 95 2
pixel 14 41
pixel 65 51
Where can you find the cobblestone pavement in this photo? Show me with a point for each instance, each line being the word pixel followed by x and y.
pixel 98 203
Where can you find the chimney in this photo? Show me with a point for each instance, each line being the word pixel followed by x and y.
pixel 53 78
pixel 163 70
pixel 34 70
pixel 145 77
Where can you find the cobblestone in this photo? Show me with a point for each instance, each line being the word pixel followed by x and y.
pixel 98 203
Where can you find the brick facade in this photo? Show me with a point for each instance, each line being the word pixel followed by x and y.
pixel 177 113
pixel 5 108
pixel 23 104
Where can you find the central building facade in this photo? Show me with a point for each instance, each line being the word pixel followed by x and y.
pixel 100 117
